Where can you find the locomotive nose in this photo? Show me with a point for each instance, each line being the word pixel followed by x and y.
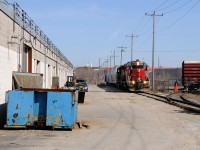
pixel 138 75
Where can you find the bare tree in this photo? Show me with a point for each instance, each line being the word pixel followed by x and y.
pixel 87 73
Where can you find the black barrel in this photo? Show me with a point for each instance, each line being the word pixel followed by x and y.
pixel 81 97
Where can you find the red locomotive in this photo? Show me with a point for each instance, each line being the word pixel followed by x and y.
pixel 132 75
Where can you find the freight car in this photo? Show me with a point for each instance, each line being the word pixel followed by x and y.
pixel 111 75
pixel 131 76
pixel 191 75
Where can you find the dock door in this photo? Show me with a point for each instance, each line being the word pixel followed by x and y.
pixel 27 59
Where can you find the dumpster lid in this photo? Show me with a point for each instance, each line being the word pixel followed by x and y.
pixel 47 90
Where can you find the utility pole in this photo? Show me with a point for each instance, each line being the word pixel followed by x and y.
pixel 122 50
pixel 99 70
pixel 114 58
pixel 106 62
pixel 112 55
pixel 110 61
pixel 131 36
pixel 153 15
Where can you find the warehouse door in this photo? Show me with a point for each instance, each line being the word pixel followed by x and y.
pixel 27 59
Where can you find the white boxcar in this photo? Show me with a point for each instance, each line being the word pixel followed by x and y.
pixel 111 75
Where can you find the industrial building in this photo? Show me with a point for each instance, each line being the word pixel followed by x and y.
pixel 24 47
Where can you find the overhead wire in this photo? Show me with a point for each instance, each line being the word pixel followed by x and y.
pixel 169 5
pixel 141 20
pixel 137 29
pixel 178 7
pixel 170 25
pixel 143 27
pixel 179 19
pixel 168 51
pixel 149 36
pixel 146 23
pixel 155 9
pixel 143 43
pixel 159 8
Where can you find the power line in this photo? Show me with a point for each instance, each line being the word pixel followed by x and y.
pixel 147 39
pixel 145 24
pixel 137 29
pixel 168 51
pixel 162 6
pixel 140 22
pixel 178 7
pixel 169 5
pixel 155 9
pixel 132 36
pixel 148 30
pixel 169 26
pixel 123 43
pixel 122 50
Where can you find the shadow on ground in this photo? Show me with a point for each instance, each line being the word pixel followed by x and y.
pixel 111 88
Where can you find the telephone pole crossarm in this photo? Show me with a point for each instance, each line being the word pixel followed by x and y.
pixel 132 36
pixel 122 50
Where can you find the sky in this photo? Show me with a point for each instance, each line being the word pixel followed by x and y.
pixel 90 30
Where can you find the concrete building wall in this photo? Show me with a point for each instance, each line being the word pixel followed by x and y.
pixel 8 63
pixel 24 49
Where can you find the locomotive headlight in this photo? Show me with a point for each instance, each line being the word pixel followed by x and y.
pixel 133 82
pixel 145 82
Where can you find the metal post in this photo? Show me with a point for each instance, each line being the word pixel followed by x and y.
pixel 114 58
pixel 153 51
pixel 121 57
pixel 110 62
pixel 132 36
pixel 99 70
pixel 153 15
pixel 122 47
pixel 45 69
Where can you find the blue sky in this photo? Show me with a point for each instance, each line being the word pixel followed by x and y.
pixel 88 30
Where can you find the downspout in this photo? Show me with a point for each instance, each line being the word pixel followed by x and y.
pixel 45 61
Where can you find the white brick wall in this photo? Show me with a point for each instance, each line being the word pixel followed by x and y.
pixel 9 58
pixel 8 63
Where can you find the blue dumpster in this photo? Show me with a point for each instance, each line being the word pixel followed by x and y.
pixel 54 108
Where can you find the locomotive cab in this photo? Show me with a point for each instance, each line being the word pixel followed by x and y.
pixel 132 76
pixel 138 77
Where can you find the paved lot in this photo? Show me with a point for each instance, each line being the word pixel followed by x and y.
pixel 116 120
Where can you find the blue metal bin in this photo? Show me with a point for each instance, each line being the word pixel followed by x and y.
pixel 56 108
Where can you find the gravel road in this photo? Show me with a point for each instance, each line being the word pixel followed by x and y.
pixel 115 120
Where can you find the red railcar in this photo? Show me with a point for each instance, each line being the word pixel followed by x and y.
pixel 191 74
pixel 132 76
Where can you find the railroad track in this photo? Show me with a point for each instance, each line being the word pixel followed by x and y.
pixel 181 102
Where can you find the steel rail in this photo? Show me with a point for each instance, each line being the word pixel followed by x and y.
pixel 183 104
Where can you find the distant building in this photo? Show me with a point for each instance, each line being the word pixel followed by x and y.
pixel 24 47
